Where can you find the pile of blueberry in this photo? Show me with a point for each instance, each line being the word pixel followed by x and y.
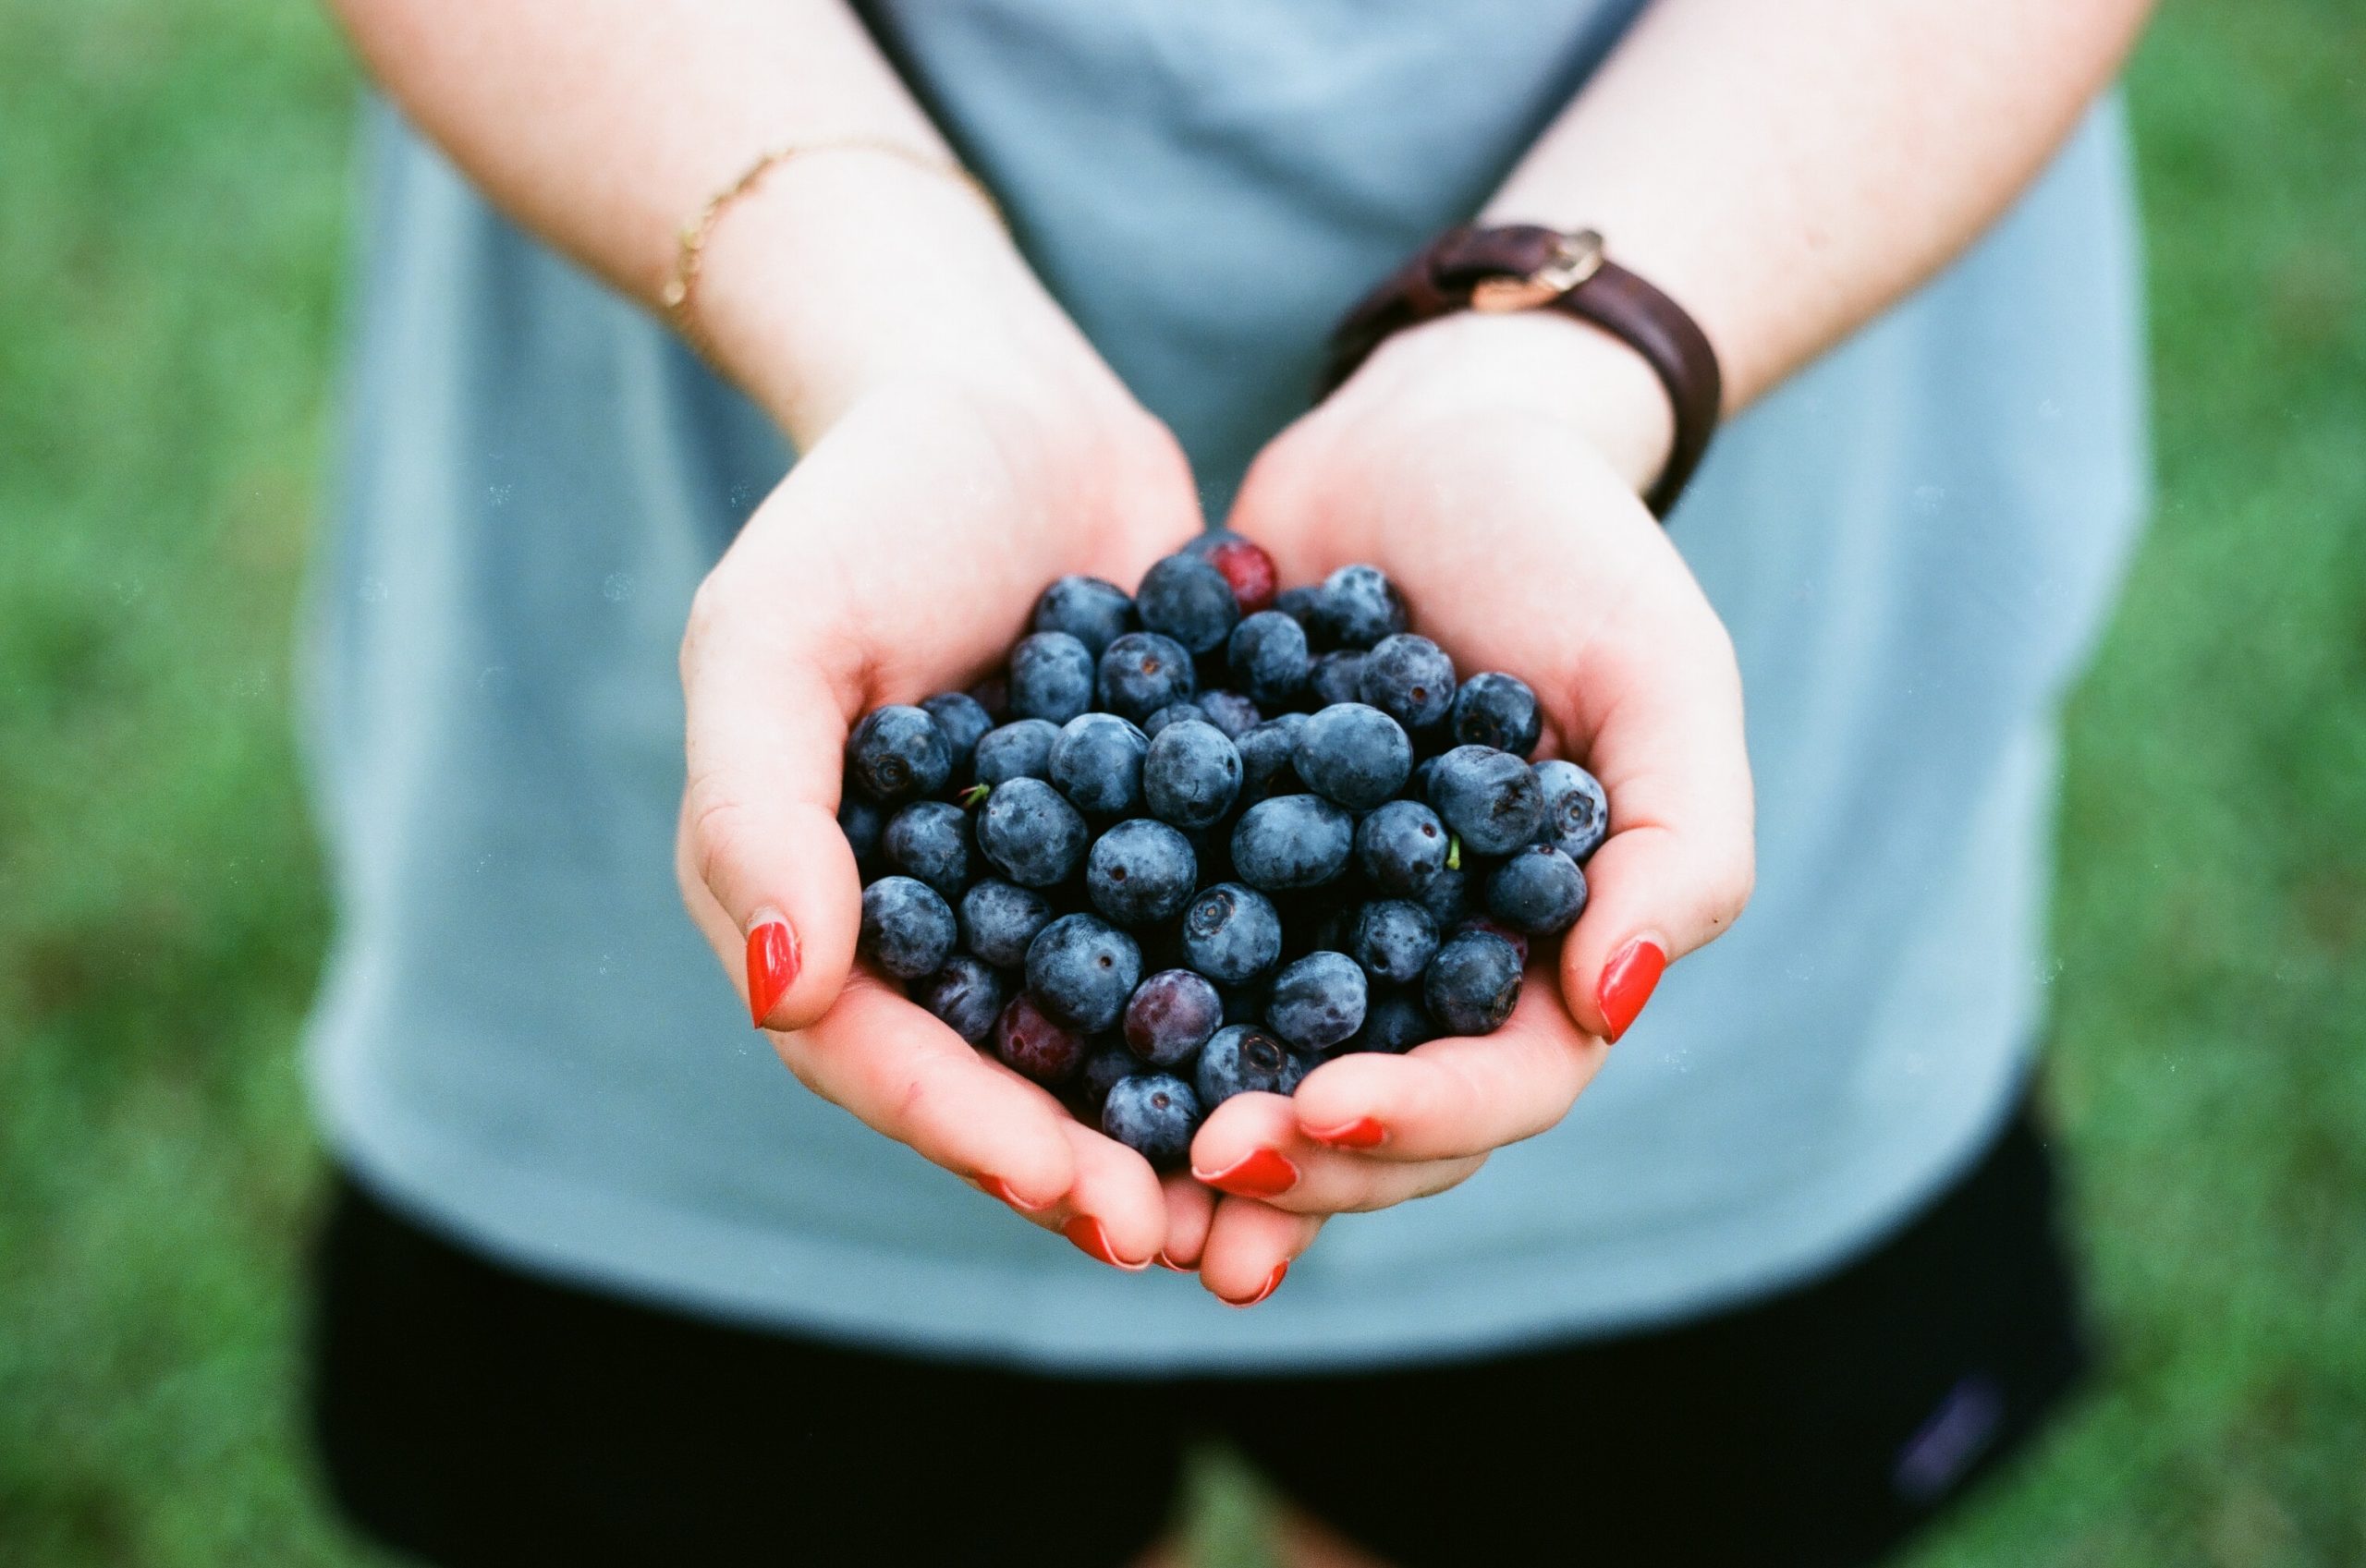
pixel 1197 840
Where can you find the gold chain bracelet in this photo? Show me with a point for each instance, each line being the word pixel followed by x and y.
pixel 680 291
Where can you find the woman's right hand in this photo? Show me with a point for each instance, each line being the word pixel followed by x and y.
pixel 899 559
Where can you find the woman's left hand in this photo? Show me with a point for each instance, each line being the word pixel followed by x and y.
pixel 1490 466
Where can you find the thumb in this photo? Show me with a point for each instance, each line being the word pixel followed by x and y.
pixel 1679 862
pixel 765 868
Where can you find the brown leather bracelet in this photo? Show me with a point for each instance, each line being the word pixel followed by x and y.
pixel 1526 267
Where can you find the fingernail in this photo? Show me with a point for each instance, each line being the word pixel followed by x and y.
pixel 771 967
pixel 1165 1262
pixel 1272 1283
pixel 1361 1133
pixel 995 1186
pixel 1263 1174
pixel 1093 1241
pixel 1627 982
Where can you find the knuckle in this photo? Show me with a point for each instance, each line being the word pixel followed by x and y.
pixel 1730 886
pixel 714 829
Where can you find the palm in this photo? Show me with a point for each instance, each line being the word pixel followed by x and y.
pixel 899 559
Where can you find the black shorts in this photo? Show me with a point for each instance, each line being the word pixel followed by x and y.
pixel 473 1415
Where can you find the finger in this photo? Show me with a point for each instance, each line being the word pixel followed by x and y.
pixel 900 1071
pixel 767 716
pixel 1679 862
pixel 1191 1207
pixel 1455 1098
pixel 1116 1211
pixel 1250 1249
pixel 1252 1148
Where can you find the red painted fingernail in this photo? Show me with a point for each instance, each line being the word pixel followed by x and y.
pixel 995 1186
pixel 1272 1283
pixel 771 967
pixel 1361 1133
pixel 1263 1174
pixel 1627 982
pixel 1093 1241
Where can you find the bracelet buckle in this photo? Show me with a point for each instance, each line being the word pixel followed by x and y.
pixel 1576 256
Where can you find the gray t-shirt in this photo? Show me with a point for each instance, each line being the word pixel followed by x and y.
pixel 523 1042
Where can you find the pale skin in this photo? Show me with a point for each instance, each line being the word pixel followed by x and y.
pixel 1783 172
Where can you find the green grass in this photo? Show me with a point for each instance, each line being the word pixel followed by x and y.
pixel 170 255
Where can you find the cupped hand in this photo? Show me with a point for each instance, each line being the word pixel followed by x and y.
pixel 899 559
pixel 1491 467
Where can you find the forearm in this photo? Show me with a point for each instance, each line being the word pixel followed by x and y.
pixel 603 125
pixel 1786 172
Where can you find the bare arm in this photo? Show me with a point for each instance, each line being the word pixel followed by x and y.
pixel 603 125
pixel 961 445
pixel 1786 172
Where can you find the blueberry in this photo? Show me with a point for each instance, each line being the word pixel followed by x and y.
pixel 1492 927
pixel 1472 984
pixel 1188 601
pixel 1265 752
pixel 908 927
pixel 1337 676
pixel 1447 898
pixel 897 753
pixel 1318 1002
pixel 1094 613
pixel 1031 1042
pixel 1030 833
pixel 1230 712
pixel 1244 1059
pixel 1191 774
pixel 1539 890
pixel 992 692
pixel 1497 710
pixel 1267 655
pixel 1140 872
pixel 1243 562
pixel 1231 933
pixel 1154 1114
pixel 999 919
pixel 964 720
pixel 1171 1015
pixel 1173 713
pixel 1105 1065
pixel 1410 679
pixel 1097 763
pixel 1303 605
pixel 966 994
pixel 1393 938
pixel 1577 812
pixel 1292 840
pixel 1051 677
pixel 863 821
pixel 1394 1024
pixel 1488 798
pixel 1081 969
pixel 1142 672
pixel 1401 846
pixel 1355 755
pixel 929 839
pixel 1020 749
pixel 1359 606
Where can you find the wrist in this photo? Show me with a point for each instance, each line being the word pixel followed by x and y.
pixel 1536 363
pixel 840 276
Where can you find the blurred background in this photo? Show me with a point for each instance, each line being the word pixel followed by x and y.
pixel 175 190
